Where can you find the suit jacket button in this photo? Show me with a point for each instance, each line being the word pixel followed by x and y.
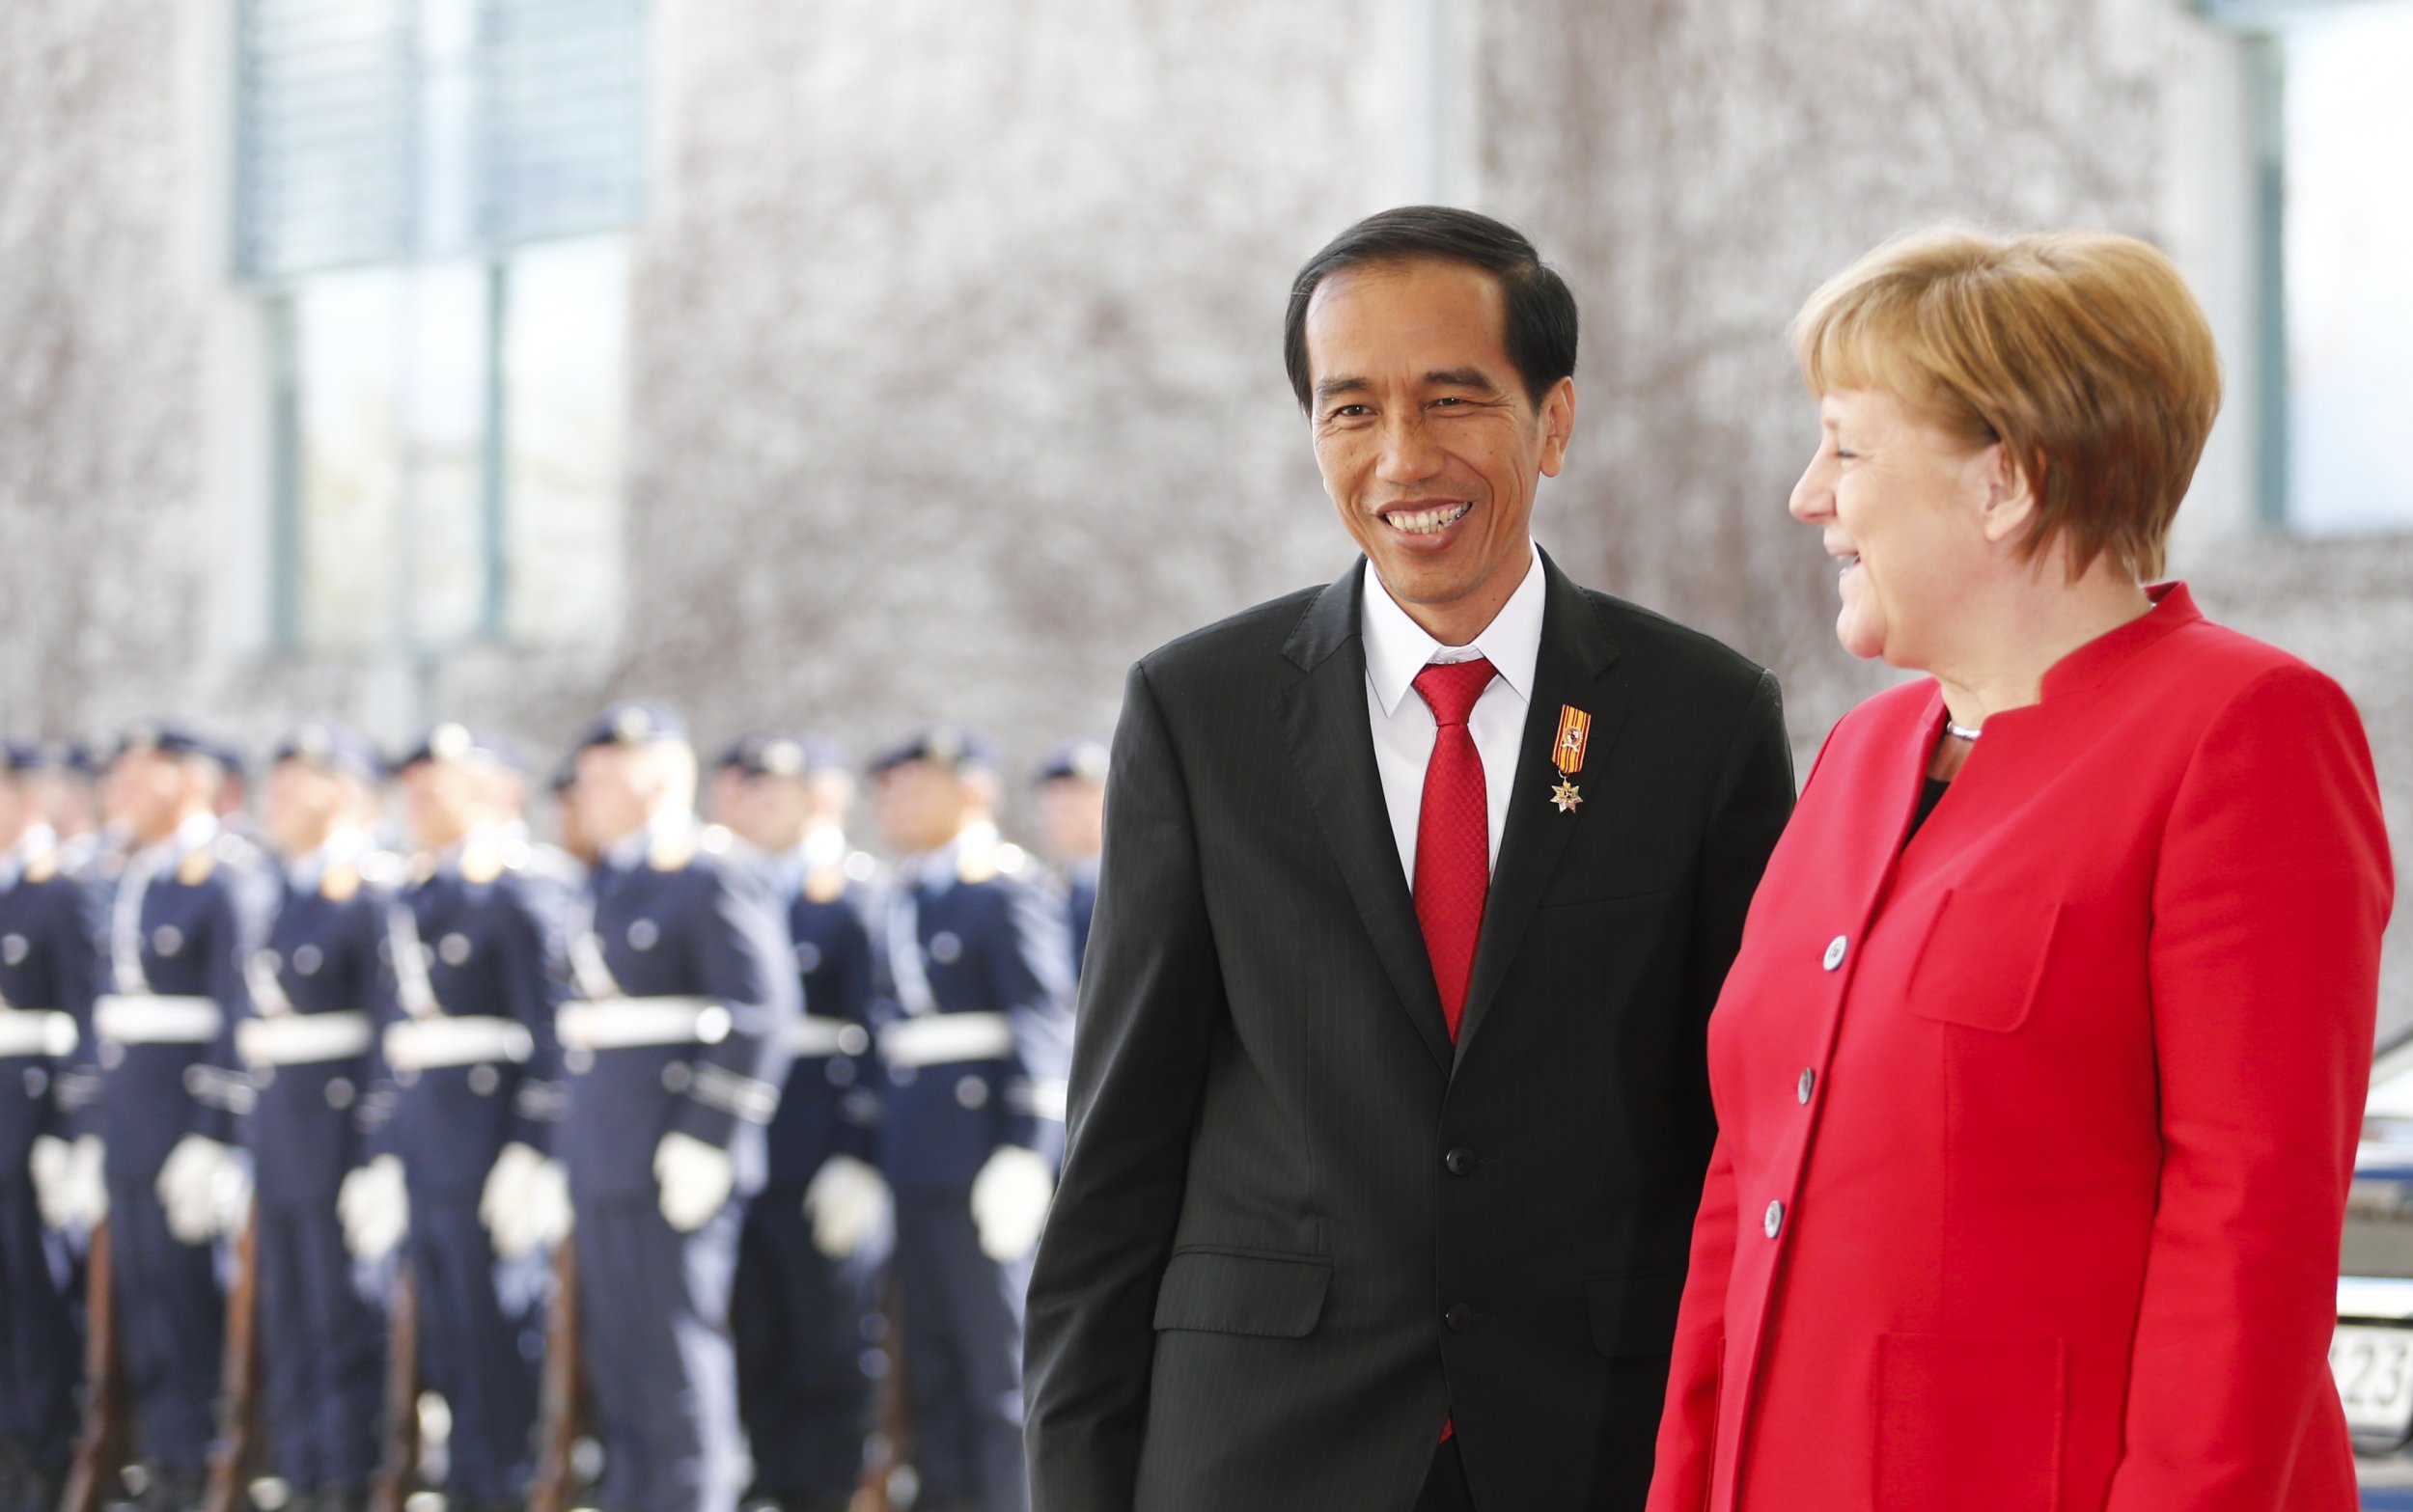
pixel 1835 950
pixel 1460 1161
pixel 1775 1220
pixel 1460 1317
pixel 1808 1084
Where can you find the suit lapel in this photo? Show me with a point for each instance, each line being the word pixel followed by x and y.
pixel 1324 716
pixel 1575 651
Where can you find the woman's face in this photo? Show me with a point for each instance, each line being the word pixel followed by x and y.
pixel 1900 503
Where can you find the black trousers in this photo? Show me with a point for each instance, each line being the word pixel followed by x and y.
pixel 963 1352
pixel 654 1314
pixel 1445 1484
pixel 41 1357
pixel 804 1325
pixel 478 1357
pixel 324 1350
pixel 172 1318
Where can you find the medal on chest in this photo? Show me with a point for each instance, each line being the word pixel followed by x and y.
pixel 1567 754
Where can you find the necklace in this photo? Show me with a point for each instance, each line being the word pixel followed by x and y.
pixel 1969 732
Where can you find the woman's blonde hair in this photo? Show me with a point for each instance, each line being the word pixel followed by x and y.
pixel 2081 352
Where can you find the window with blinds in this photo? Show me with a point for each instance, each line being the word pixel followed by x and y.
pixel 430 202
pixel 384 130
pixel 2333 214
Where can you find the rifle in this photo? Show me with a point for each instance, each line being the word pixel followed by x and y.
pixel 238 1452
pixel 562 1404
pixel 97 1474
pixel 892 1443
pixel 398 1468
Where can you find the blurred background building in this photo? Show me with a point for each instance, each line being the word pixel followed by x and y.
pixel 849 362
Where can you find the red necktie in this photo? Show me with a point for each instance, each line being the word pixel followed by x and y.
pixel 1452 833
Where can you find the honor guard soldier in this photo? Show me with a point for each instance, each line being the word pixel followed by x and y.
pixel 979 961
pixel 816 1242
pixel 46 1004
pixel 674 1062
pixel 1072 785
pixel 317 990
pixel 188 909
pixel 569 830
pixel 462 1162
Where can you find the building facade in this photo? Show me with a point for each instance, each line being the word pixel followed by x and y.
pixel 881 361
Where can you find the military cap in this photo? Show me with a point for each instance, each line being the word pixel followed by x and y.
pixel 168 738
pixel 952 746
pixel 452 741
pixel 334 748
pixel 230 759
pixel 633 722
pixel 1084 758
pixel 781 753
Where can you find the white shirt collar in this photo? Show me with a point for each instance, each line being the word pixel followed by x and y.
pixel 197 830
pixel 1398 648
pixel 638 843
pixel 340 846
pixel 937 868
pixel 39 839
pixel 823 846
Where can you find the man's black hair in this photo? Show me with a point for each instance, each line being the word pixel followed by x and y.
pixel 1539 311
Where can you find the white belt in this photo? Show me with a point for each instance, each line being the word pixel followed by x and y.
pixel 291 1039
pixel 945 1037
pixel 627 1022
pixel 148 1019
pixel 428 1044
pixel 816 1036
pixel 35 1031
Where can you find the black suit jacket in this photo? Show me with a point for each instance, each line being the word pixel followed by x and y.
pixel 1297 1227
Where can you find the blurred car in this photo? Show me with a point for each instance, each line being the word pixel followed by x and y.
pixel 2371 1353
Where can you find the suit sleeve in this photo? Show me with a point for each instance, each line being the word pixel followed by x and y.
pixel 848 996
pixel 1151 996
pixel 75 922
pixel 2272 889
pixel 534 979
pixel 750 969
pixel 375 1114
pixel 1030 978
pixel 1753 800
pixel 241 907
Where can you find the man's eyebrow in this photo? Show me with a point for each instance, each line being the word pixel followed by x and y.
pixel 1442 378
pixel 1462 379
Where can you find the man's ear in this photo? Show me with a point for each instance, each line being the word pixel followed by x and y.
pixel 2008 501
pixel 1558 426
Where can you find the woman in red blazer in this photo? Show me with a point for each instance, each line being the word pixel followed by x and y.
pixel 2039 1071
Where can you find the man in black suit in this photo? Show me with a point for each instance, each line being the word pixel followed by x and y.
pixel 1389 1113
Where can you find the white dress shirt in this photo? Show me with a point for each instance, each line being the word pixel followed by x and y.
pixel 1396 649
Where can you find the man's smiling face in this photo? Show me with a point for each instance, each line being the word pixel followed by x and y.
pixel 1429 443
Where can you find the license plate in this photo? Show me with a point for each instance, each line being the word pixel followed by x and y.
pixel 2373 1369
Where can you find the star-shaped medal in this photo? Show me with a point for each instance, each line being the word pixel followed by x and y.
pixel 1566 796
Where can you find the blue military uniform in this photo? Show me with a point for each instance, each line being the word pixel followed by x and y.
pixel 318 987
pixel 1086 761
pixel 181 922
pixel 45 1007
pixel 978 1040
pixel 809 1328
pixel 690 998
pixel 479 945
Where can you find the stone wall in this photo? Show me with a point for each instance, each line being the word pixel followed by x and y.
pixel 954 332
